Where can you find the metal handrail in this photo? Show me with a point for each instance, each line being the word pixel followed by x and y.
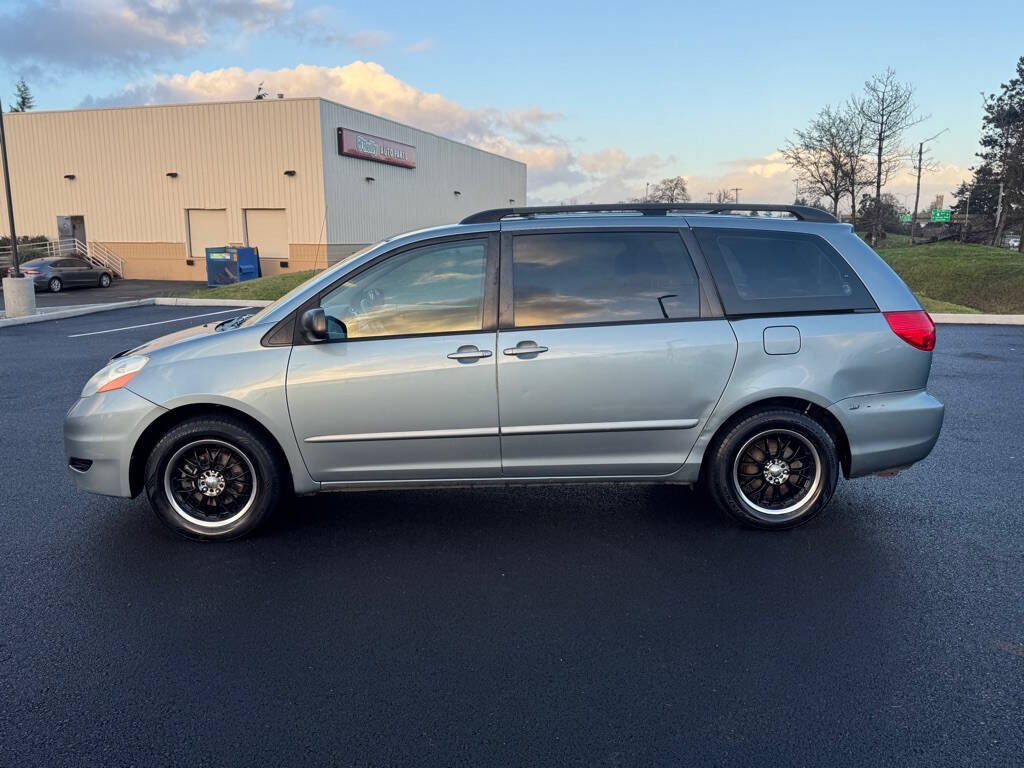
pixel 94 252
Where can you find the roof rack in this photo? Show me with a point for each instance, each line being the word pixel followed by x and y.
pixel 801 212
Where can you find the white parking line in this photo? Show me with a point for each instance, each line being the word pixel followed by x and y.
pixel 236 310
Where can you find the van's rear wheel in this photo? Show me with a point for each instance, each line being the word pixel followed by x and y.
pixel 775 468
pixel 213 478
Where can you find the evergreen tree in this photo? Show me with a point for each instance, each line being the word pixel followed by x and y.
pixel 23 99
pixel 1002 148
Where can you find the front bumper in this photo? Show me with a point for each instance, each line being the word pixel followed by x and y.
pixel 103 429
pixel 889 431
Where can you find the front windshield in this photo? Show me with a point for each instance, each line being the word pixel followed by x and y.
pixel 256 318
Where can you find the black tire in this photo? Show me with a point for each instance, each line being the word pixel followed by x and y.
pixel 105 280
pixel 773 469
pixel 236 478
pixel 56 285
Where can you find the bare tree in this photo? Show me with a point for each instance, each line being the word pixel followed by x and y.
pixel 671 190
pixel 817 155
pixel 887 109
pixel 856 164
pixel 724 196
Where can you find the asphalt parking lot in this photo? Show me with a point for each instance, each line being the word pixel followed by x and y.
pixel 119 290
pixel 592 625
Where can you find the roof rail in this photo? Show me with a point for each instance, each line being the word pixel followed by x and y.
pixel 801 212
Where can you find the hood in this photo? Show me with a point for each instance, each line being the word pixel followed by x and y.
pixel 171 339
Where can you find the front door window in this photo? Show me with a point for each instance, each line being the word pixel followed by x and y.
pixel 434 289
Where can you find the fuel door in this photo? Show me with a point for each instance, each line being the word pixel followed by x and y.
pixel 781 340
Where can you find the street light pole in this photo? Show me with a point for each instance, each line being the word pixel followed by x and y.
pixel 15 271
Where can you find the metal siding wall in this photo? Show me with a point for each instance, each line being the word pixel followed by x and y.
pixel 402 199
pixel 229 155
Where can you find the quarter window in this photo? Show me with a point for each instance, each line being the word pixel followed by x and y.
pixel 760 272
pixel 432 289
pixel 602 277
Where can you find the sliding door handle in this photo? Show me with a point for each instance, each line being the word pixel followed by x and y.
pixel 469 352
pixel 525 348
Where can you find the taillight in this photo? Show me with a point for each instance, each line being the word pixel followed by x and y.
pixel 914 327
pixel 30 271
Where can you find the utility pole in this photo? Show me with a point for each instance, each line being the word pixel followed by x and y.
pixel 917 195
pixel 736 193
pixel 15 263
pixel 647 192
pixel 711 196
pixel 967 215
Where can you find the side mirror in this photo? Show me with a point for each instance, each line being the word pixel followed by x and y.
pixel 313 324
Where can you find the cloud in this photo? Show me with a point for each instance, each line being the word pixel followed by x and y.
pixel 66 35
pixel 556 171
pixel 420 46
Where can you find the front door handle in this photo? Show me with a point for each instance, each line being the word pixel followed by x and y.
pixel 524 348
pixel 469 352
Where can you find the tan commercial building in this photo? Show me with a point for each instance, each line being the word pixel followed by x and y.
pixel 306 181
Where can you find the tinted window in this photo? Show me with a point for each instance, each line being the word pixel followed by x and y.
pixel 78 263
pixel 602 277
pixel 776 272
pixel 433 289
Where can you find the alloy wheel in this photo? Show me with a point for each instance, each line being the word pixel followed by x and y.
pixel 210 483
pixel 777 474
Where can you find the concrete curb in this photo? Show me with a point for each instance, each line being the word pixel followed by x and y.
pixel 964 319
pixel 173 302
pixel 89 309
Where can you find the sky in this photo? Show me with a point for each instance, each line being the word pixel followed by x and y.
pixel 597 98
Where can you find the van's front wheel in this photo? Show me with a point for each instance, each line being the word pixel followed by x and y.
pixel 775 468
pixel 212 479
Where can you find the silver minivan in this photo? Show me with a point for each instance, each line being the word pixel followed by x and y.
pixel 759 355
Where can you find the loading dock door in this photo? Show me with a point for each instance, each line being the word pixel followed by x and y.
pixel 207 228
pixel 267 230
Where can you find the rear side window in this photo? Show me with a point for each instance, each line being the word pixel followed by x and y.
pixel 760 272
pixel 584 278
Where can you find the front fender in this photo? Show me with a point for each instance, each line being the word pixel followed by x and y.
pixel 248 380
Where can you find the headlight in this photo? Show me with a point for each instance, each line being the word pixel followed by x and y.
pixel 114 374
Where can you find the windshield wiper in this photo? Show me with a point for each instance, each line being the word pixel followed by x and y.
pixel 234 322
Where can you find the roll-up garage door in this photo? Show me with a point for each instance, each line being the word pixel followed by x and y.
pixel 267 229
pixel 207 228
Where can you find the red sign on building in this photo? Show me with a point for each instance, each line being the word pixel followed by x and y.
pixel 357 144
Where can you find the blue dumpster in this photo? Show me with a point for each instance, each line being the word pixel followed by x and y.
pixel 228 265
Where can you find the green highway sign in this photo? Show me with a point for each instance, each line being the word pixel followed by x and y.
pixel 943 215
pixel 905 218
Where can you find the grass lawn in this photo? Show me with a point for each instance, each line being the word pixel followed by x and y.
pixel 947 277
pixel 976 277
pixel 892 240
pixel 262 288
